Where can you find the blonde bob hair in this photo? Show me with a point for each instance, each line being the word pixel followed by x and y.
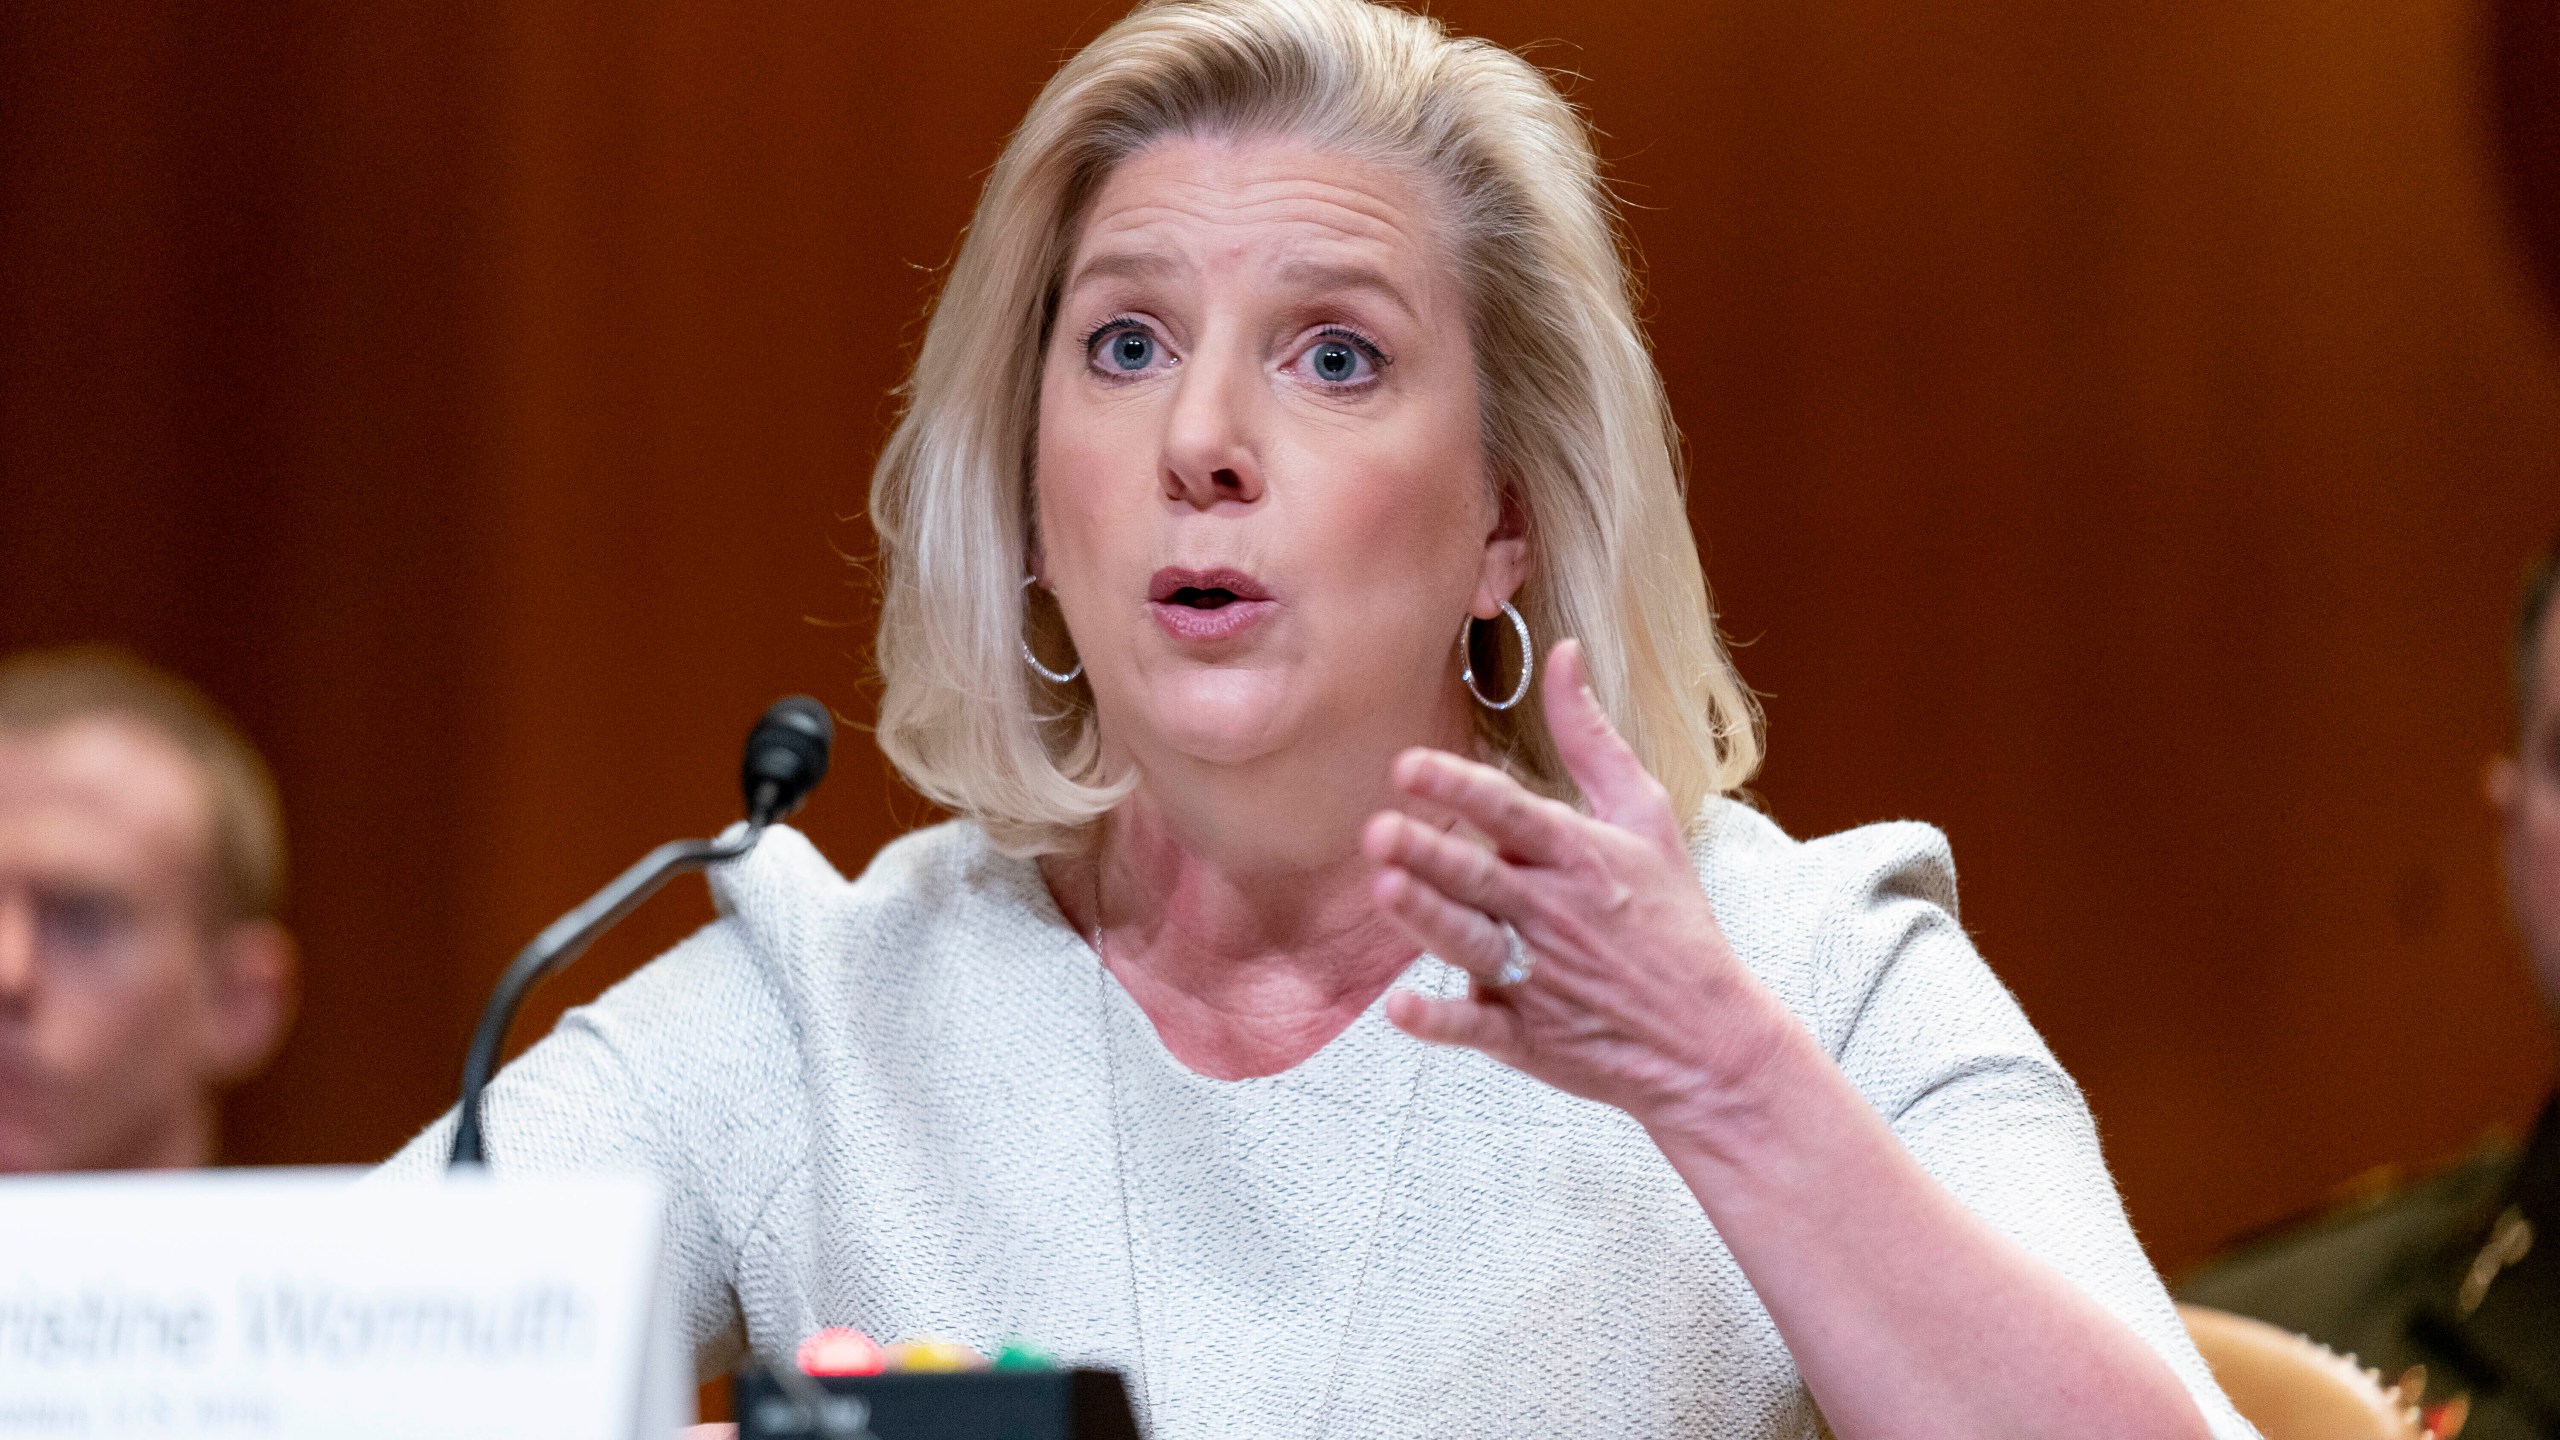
pixel 1576 428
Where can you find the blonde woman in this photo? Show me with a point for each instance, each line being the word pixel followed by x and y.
pixel 1349 1001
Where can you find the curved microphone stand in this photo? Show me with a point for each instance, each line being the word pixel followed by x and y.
pixel 786 757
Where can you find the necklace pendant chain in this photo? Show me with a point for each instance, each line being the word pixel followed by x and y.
pixel 1145 1381
pixel 1145 1384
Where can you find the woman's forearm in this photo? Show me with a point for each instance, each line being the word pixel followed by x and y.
pixel 1906 1313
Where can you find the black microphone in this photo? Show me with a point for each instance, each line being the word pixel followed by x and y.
pixel 786 758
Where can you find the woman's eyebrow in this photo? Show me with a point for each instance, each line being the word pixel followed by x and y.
pixel 1317 275
pixel 1330 275
pixel 1123 265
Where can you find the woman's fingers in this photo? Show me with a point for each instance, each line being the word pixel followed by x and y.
pixel 1618 787
pixel 1463 872
pixel 1435 813
pixel 1462 936
pixel 1523 824
pixel 1492 1028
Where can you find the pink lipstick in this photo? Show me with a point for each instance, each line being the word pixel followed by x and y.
pixel 1205 606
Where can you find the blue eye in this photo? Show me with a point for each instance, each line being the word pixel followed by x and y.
pixel 1341 358
pixel 1120 347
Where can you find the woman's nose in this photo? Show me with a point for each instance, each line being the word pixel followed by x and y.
pixel 1209 448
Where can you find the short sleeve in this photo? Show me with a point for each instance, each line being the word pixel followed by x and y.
pixel 1942 1050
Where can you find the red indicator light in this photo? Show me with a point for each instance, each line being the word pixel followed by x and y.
pixel 842 1352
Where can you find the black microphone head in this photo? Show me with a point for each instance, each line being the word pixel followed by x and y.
pixel 786 757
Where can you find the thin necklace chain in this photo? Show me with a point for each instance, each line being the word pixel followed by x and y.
pixel 1129 1232
pixel 1119 1152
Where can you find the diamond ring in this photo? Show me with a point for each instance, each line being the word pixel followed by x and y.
pixel 1516 963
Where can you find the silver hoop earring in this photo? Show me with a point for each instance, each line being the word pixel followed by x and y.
pixel 1044 672
pixel 1528 660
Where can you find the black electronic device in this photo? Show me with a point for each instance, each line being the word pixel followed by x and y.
pixel 786 757
pixel 920 1405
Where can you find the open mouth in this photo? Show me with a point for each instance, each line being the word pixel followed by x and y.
pixel 1203 589
pixel 1207 604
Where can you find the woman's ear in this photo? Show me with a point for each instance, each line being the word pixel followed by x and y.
pixel 1506 557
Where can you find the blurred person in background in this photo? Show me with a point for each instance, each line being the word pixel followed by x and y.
pixel 142 967
pixel 2460 1273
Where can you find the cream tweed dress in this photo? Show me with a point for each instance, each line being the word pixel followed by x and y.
pixel 916 1103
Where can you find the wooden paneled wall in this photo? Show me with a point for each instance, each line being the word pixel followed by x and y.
pixel 2116 431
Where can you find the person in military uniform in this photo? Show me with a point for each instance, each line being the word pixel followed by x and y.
pixel 2460 1274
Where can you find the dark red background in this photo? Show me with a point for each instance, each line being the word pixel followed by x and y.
pixel 2117 431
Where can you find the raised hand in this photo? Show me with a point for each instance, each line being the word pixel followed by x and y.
pixel 1633 997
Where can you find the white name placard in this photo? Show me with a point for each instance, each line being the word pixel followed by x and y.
pixel 296 1305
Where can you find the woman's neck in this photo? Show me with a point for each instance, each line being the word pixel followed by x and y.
pixel 1247 958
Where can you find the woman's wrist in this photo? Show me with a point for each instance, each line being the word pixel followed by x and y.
pixel 1748 1062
